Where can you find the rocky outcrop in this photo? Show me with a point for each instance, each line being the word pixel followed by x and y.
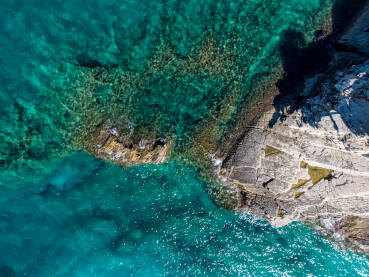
pixel 118 148
pixel 313 164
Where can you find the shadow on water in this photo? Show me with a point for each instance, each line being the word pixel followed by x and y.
pixel 302 60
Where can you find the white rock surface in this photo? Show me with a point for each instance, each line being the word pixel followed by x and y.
pixel 329 131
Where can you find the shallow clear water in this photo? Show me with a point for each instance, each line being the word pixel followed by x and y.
pixel 90 218
pixel 165 67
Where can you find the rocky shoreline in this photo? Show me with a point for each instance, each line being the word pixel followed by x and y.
pixel 312 164
pixel 305 161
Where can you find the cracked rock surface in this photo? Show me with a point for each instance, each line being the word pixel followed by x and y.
pixel 314 164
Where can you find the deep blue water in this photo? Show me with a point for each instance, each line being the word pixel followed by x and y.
pixel 65 65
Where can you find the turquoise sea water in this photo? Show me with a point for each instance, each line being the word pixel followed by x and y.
pixel 162 67
pixel 89 218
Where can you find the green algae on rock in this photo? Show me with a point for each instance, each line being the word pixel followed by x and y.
pixel 269 150
pixel 300 183
pixel 318 173
pixel 298 194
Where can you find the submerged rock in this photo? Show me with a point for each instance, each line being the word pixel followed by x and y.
pixel 319 167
